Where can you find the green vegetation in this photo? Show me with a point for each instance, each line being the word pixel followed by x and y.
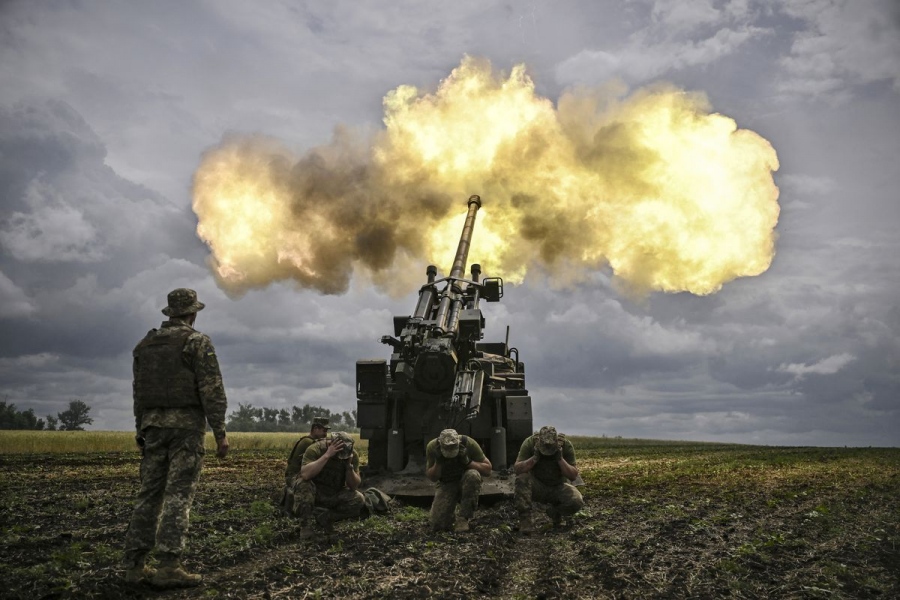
pixel 71 419
pixel 87 442
pixel 297 419
pixel 662 520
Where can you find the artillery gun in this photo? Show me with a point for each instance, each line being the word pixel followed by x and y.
pixel 440 376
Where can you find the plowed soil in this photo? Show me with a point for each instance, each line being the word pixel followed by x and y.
pixel 661 521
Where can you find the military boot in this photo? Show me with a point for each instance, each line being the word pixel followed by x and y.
pixel 139 573
pixel 325 520
pixel 305 531
pixel 555 516
pixel 525 525
pixel 173 575
pixel 462 525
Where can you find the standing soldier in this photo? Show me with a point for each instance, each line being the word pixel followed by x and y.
pixel 328 482
pixel 318 431
pixel 456 463
pixel 544 471
pixel 177 391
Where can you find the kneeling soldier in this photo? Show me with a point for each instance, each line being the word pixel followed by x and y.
pixel 317 431
pixel 544 469
pixel 327 484
pixel 456 463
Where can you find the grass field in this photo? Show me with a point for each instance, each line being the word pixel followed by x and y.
pixel 662 520
pixel 86 442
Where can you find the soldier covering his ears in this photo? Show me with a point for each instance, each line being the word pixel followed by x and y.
pixel 545 468
pixel 456 463
pixel 327 487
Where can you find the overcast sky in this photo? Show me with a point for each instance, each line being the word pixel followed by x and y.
pixel 106 110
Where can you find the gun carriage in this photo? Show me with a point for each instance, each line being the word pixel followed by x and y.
pixel 441 375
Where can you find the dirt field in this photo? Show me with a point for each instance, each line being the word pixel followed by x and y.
pixel 661 521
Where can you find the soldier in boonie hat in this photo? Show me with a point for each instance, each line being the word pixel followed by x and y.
pixel 321 422
pixel 182 301
pixel 449 443
pixel 178 392
pixel 347 451
pixel 548 441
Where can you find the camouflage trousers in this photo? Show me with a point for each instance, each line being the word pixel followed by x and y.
pixel 307 496
pixel 170 469
pixel 564 497
pixel 447 495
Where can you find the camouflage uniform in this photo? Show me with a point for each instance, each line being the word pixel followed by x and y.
pixel 328 489
pixel 545 482
pixel 171 417
pixel 457 484
pixel 295 461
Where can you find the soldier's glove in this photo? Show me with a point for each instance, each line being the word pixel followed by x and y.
pixel 537 453
pixel 463 456
pixel 561 440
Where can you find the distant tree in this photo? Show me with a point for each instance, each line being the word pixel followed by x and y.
pixel 296 416
pixel 8 415
pixel 12 418
pixel 76 416
pixel 243 419
pixel 297 419
pixel 52 423
pixel 30 421
pixel 270 415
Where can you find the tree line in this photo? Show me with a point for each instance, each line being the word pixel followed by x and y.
pixel 296 419
pixel 72 419
pixel 245 418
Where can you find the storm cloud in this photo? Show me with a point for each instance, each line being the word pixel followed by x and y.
pixel 106 111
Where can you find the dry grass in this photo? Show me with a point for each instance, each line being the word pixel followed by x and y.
pixel 86 442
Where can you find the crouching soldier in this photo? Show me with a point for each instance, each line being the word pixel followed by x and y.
pixel 456 463
pixel 318 431
pixel 545 468
pixel 326 488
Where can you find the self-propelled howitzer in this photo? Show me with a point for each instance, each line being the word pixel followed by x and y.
pixel 442 376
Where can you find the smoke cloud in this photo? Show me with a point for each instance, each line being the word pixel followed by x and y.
pixel 651 184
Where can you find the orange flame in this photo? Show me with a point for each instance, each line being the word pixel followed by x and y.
pixel 670 196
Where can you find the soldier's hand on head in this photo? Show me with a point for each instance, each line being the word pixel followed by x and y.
pixel 537 453
pixel 334 447
pixel 561 441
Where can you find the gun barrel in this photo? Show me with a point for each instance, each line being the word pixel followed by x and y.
pixel 462 251
pixel 449 304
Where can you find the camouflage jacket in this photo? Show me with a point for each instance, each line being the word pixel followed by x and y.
pixel 198 355
pixel 547 470
pixel 452 468
pixel 332 478
pixel 295 460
